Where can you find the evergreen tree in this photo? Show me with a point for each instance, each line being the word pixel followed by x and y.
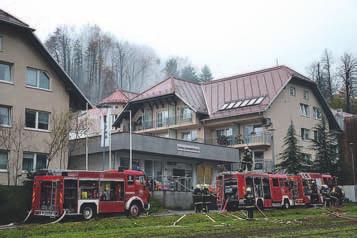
pixel 206 74
pixel 189 73
pixel 171 68
pixel 325 145
pixel 292 159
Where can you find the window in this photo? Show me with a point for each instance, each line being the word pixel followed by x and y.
pixel 317 113
pixel 3 160
pixel 307 157
pixel 5 116
pixel 305 134
pixel 162 118
pixel 258 160
pixel 36 119
pixel 252 101
pixel 34 161
pixel 245 102
pixel 5 72
pixel 1 43
pixel 186 114
pixel 304 110
pixel 224 106
pixel 189 135
pixel 292 91
pixel 225 136
pixel 275 182
pixel 306 95
pixel 237 104
pixel 316 135
pixel 147 119
pixel 231 105
pixel 37 78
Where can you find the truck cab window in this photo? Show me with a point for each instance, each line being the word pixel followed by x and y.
pixel 142 180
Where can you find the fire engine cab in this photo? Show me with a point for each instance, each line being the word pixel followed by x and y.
pixel 88 193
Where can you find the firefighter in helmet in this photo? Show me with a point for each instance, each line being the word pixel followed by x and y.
pixel 325 193
pixel 247 161
pixel 249 202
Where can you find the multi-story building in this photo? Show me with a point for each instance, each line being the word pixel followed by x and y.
pixel 253 109
pixel 33 87
pixel 91 121
pixel 184 133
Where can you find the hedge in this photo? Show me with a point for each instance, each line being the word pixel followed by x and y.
pixel 15 202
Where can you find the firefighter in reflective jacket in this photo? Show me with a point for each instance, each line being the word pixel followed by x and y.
pixel 249 202
pixel 247 161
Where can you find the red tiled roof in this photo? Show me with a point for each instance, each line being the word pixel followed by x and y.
pixel 210 96
pixel 189 92
pixel 267 83
pixel 119 96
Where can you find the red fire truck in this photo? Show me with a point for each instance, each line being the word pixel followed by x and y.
pixel 88 193
pixel 269 190
pixel 305 187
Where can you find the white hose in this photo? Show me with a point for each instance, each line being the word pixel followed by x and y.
pixel 59 219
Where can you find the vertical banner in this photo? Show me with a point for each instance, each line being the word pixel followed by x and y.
pixel 105 127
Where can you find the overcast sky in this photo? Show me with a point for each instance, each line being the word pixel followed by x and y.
pixel 230 36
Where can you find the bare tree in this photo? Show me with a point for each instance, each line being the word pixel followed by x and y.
pixel 326 61
pixel 19 137
pixel 57 142
pixel 348 73
pixel 6 134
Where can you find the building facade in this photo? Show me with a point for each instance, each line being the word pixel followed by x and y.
pixel 253 110
pixel 33 88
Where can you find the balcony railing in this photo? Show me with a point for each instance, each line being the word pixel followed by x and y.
pixel 165 122
pixel 259 139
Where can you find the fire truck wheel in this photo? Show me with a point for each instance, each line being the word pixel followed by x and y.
pixel 87 212
pixel 286 204
pixel 134 210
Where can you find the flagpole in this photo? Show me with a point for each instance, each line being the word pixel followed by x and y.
pixel 110 137
pixel 87 136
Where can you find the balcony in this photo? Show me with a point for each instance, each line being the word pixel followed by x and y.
pixel 165 123
pixel 261 139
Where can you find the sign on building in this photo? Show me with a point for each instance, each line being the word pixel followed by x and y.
pixel 105 127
